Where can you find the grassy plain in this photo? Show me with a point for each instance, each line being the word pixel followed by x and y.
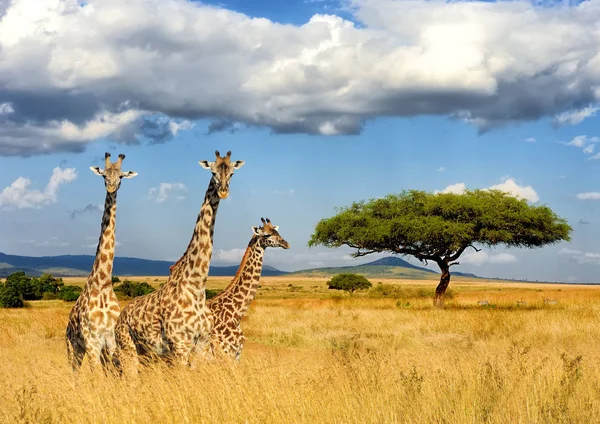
pixel 317 356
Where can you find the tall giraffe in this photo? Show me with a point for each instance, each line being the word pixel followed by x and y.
pixel 229 306
pixel 91 327
pixel 174 321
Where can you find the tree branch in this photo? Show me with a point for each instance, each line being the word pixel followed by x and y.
pixel 476 249
pixel 453 263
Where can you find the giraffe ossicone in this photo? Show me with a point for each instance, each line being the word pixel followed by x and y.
pixel 229 306
pixel 174 322
pixel 91 327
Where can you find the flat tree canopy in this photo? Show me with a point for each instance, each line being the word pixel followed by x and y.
pixel 440 227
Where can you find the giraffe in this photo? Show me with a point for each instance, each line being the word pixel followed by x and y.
pixel 173 321
pixel 229 306
pixel 91 327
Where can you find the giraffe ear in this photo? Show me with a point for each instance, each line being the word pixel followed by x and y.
pixel 238 164
pixel 206 164
pixel 129 174
pixel 256 230
pixel 97 170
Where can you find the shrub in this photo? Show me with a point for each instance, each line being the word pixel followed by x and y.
pixel 349 282
pixel 9 296
pixel 210 293
pixel 115 279
pixel 69 293
pixel 46 284
pixel 128 289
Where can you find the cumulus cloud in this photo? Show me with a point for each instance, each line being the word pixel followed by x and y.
pixel 509 186
pixel 458 188
pixel 481 257
pixel 164 190
pixel 530 140
pixel 586 144
pixel 232 255
pixel 592 195
pixel 581 257
pixel 90 208
pixel 73 72
pixel 19 195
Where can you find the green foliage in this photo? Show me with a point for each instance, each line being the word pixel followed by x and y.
pixel 115 279
pixel 10 296
pixel 69 293
pixel 419 223
pixel 128 289
pixel 210 293
pixel 349 282
pixel 19 286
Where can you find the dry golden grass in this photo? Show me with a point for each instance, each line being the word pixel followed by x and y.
pixel 314 357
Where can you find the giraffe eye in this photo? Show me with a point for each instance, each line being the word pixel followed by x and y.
pixel 267 235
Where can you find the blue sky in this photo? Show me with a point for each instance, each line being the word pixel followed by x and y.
pixel 319 122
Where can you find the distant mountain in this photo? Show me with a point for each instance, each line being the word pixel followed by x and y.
pixel 80 265
pixel 388 267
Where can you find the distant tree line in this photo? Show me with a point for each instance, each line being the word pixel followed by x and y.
pixel 19 288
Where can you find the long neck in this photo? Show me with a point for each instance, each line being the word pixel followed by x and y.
pixel 194 263
pixel 101 274
pixel 244 285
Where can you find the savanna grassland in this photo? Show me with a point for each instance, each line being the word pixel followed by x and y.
pixel 317 356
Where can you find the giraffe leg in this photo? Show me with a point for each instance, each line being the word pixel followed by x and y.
pixel 74 353
pixel 110 361
pixel 94 354
pixel 126 353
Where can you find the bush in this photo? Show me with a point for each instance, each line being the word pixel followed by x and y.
pixel 349 282
pixel 115 279
pixel 10 296
pixel 210 293
pixel 128 289
pixel 69 293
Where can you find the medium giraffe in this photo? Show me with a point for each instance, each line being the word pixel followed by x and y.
pixel 229 306
pixel 174 321
pixel 91 327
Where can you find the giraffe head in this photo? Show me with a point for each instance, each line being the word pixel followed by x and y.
pixel 267 235
pixel 222 169
pixel 112 173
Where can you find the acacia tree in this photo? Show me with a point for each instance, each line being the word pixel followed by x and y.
pixel 440 227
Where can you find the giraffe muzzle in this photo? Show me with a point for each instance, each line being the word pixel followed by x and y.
pixel 223 193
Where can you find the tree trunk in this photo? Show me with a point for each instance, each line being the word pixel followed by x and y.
pixel 441 288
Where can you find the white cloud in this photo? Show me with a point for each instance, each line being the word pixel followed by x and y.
pixel 19 195
pixel 458 188
pixel 520 192
pixel 530 140
pixel 441 169
pixel 581 257
pixel 51 242
pixel 92 242
pixel 509 186
pixel 73 72
pixel 481 257
pixel 233 255
pixel 575 117
pixel 586 144
pixel 284 192
pixel 589 196
pixel 164 190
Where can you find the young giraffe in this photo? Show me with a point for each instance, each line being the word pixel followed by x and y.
pixel 174 321
pixel 91 327
pixel 229 306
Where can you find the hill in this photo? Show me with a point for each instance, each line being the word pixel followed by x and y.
pixel 80 265
pixel 388 267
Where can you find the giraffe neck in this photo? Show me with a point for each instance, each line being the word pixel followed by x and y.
pixel 244 285
pixel 101 275
pixel 195 261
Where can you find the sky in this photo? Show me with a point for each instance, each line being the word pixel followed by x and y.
pixel 327 102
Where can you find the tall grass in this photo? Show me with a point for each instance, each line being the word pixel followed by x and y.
pixel 347 360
